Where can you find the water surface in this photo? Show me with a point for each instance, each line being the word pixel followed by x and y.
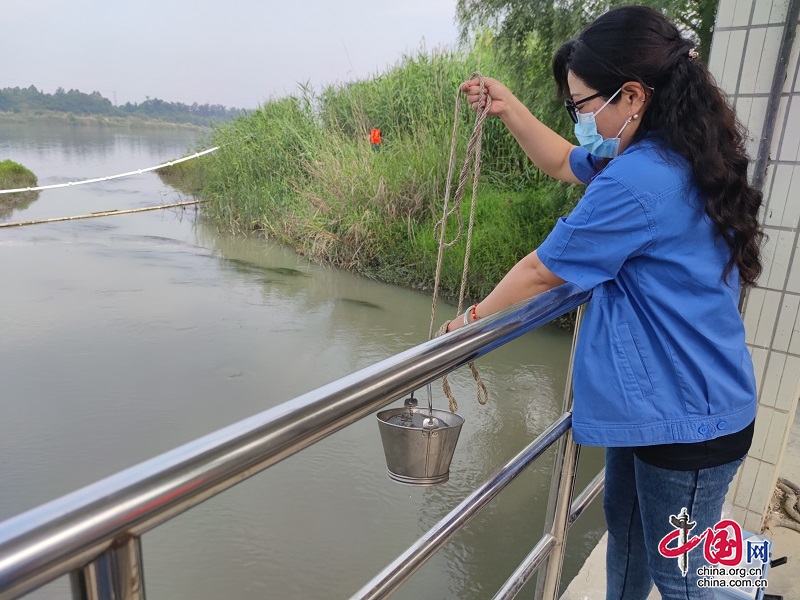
pixel 126 336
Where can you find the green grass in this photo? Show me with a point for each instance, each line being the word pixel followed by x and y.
pixel 301 170
pixel 12 176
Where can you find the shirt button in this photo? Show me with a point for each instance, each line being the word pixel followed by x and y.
pixel 722 425
pixel 703 430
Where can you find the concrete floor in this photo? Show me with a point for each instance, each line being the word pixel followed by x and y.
pixel 785 580
pixel 589 583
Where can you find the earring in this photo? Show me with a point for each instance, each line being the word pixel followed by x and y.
pixel 636 116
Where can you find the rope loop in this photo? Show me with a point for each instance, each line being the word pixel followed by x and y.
pixel 472 162
pixel 473 159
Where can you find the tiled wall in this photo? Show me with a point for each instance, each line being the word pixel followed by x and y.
pixel 744 54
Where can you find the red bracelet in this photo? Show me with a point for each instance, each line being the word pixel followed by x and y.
pixel 474 312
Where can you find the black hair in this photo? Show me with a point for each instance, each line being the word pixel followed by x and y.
pixel 685 108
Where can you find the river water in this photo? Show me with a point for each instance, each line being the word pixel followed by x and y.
pixel 126 336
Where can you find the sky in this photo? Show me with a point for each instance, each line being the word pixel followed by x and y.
pixel 239 53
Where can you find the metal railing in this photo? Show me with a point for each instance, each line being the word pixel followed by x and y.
pixel 94 533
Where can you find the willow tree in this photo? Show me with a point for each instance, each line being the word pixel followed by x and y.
pixel 524 34
pixel 555 21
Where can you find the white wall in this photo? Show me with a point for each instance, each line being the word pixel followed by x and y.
pixel 744 54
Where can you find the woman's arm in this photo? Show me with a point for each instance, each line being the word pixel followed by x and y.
pixel 528 278
pixel 548 150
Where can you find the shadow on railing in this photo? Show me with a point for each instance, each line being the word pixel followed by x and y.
pixel 94 533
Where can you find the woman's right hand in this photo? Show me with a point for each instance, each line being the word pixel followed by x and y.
pixel 501 96
pixel 547 149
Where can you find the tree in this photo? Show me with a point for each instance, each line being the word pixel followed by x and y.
pixel 528 32
pixel 554 21
pixel 74 101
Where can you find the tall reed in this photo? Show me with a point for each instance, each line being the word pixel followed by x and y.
pixel 302 170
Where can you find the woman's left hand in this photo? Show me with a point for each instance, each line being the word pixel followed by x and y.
pixel 470 316
pixel 455 324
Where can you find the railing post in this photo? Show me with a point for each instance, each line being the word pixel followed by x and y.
pixel 117 574
pixel 561 489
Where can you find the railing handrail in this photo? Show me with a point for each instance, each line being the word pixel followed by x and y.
pixel 54 539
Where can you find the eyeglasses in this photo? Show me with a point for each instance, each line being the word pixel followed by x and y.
pixel 572 106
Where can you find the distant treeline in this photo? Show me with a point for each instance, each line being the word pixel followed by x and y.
pixel 31 100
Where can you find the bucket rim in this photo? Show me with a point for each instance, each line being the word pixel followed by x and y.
pixel 384 415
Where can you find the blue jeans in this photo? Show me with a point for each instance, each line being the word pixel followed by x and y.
pixel 639 499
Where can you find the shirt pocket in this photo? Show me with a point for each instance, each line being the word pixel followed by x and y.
pixel 632 360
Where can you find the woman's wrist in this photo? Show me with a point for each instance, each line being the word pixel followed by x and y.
pixel 511 111
pixel 473 312
pixel 469 316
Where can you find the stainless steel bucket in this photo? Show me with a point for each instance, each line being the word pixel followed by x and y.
pixel 417 454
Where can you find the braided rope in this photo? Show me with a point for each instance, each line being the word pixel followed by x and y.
pixel 473 161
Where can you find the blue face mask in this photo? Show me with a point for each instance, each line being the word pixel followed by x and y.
pixel 590 138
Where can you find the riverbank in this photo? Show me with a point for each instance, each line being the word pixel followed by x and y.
pixel 302 171
pixel 61 118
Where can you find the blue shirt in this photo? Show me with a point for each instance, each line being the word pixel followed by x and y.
pixel 661 355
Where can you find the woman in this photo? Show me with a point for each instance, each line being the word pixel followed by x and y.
pixel 665 233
